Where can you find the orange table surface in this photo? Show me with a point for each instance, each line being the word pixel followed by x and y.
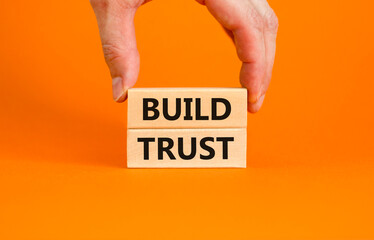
pixel 63 139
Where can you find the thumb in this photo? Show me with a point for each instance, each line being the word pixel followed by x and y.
pixel 115 19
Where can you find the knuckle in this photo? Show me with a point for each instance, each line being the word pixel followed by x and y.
pixel 255 19
pixel 271 21
pixel 111 52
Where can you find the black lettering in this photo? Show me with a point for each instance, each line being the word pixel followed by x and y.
pixel 177 109
pixel 198 111
pixel 188 115
pixel 225 144
pixel 162 149
pixel 147 109
pixel 146 142
pixel 214 108
pixel 207 148
pixel 181 146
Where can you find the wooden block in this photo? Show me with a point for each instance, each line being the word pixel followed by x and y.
pixel 187 108
pixel 186 148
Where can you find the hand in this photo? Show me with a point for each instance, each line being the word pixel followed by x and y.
pixel 252 25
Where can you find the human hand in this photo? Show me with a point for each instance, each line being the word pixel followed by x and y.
pixel 252 25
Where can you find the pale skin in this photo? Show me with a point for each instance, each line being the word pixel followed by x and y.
pixel 252 25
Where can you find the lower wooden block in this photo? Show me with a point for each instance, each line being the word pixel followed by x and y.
pixel 187 148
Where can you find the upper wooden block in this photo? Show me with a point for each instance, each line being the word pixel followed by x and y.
pixel 187 108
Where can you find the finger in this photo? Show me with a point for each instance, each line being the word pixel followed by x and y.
pixel 270 29
pixel 245 22
pixel 243 19
pixel 115 19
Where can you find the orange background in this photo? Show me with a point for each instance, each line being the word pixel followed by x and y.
pixel 62 138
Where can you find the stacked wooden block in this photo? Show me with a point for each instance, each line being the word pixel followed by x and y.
pixel 187 128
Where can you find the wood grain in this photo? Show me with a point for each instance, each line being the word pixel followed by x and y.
pixel 196 107
pixel 137 157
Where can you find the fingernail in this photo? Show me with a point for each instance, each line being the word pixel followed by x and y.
pixel 119 92
pixel 254 107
